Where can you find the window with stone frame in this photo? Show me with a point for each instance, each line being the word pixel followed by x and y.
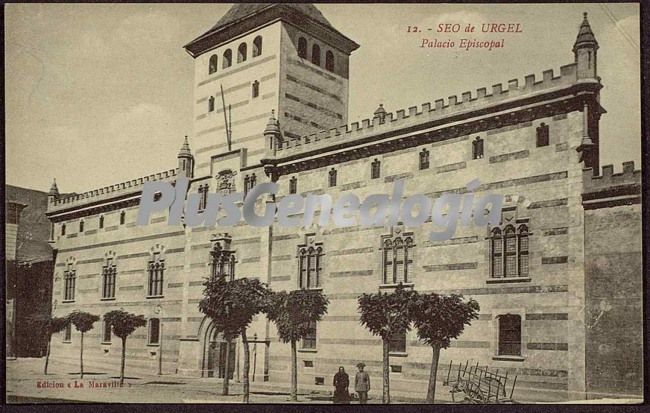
pixel 153 331
pixel 310 263
pixel 424 159
pixel 331 178
pixel 309 341
pixel 211 104
pixel 477 148
pixel 213 64
pixel 227 59
pixel 69 282
pixel 255 89
pixel 222 260
pixel 67 333
pixel 293 185
pixel 329 61
pixel 397 257
pixel 257 46
pixel 81 226
pixel 242 53
pixel 397 343
pixel 156 270
pixel 249 183
pixel 375 169
pixel 302 47
pixel 101 222
pixel 315 54
pixel 509 251
pixel 122 218
pixel 62 229
pixel 109 278
pixel 542 135
pixel 203 196
pixel 509 335
pixel 106 332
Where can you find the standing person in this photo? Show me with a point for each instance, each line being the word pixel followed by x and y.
pixel 362 384
pixel 341 384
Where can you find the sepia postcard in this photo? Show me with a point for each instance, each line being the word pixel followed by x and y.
pixel 294 203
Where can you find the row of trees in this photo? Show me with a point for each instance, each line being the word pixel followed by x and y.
pixel 122 324
pixel 232 305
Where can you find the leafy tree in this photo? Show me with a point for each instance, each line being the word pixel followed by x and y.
pixel 83 322
pixel 387 315
pixel 123 324
pixel 438 319
pixel 292 314
pixel 232 305
pixel 49 326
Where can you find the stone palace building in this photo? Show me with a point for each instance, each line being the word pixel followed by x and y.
pixel 559 281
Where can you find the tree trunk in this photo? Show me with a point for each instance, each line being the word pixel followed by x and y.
pixel 226 375
pixel 247 366
pixel 81 355
pixel 386 373
pixel 47 355
pixel 123 362
pixel 431 391
pixel 294 372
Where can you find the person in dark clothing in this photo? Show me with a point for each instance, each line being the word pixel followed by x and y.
pixel 362 384
pixel 341 383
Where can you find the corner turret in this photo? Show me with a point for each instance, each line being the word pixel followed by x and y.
pixel 584 50
pixel 185 161
pixel 53 195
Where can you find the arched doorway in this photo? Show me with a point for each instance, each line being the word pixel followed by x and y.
pixel 215 352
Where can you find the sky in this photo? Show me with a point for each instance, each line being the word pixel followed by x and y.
pixel 97 94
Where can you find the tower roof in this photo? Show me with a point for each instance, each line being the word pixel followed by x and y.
pixel 54 190
pixel 185 149
pixel 244 17
pixel 585 35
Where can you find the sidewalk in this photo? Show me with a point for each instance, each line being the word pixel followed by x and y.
pixel 26 383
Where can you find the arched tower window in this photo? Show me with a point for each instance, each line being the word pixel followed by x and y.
pixel 227 59
pixel 332 177
pixel 63 229
pixel 257 46
pixel 255 89
pixel 477 148
pixel 375 169
pixel 211 104
pixel 213 64
pixel 302 48
pixel 122 217
pixel 310 266
pixel 424 159
pixel 81 226
pixel 242 51
pixel 293 185
pixel 315 54
pixel 101 221
pixel 542 135
pixel 329 61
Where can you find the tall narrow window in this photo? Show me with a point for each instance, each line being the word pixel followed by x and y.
pixel 257 46
pixel 62 229
pixel 293 185
pixel 509 335
pixel 213 64
pixel 309 341
pixel 81 226
pixel 332 177
pixel 122 217
pixel 109 274
pixel 477 148
pixel 154 331
pixel 222 263
pixel 106 332
pixel 315 54
pixel 397 259
pixel 156 276
pixel 211 104
pixel 523 250
pixel 397 343
pixel 227 59
pixel 203 196
pixel 242 51
pixel 101 221
pixel 67 333
pixel 69 281
pixel 542 135
pixel 375 169
pixel 329 61
pixel 424 159
pixel 509 251
pixel 255 89
pixel 302 48
pixel 497 253
pixel 309 266
pixel 249 183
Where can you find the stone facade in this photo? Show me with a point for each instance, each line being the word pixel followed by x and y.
pixel 560 353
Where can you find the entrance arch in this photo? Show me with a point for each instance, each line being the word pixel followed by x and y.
pixel 214 350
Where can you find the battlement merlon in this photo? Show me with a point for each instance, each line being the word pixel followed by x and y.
pixel 107 193
pixel 550 86
pixel 608 179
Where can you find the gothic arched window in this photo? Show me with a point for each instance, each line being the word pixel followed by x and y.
pixel 315 54
pixel 397 259
pixel 255 92
pixel 211 104
pixel 424 159
pixel 222 262
pixel 242 52
pixel 122 217
pixel 332 177
pixel 69 281
pixel 109 275
pixel 227 59
pixel 302 48
pixel 509 251
pixel 257 46
pixel 477 148
pixel 329 61
pixel 375 169
pixel 310 266
pixel 156 271
pixel 213 64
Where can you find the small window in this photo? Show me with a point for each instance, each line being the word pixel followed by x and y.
pixel 122 217
pixel 315 54
pixel 375 169
pixel 106 332
pixel 424 159
pixel 302 48
pixel 154 331
pixel 213 64
pixel 101 222
pixel 257 46
pixel 63 229
pixel 332 178
pixel 329 61
pixel 255 89
pixel 81 226
pixel 211 104
pixel 542 135
pixel 319 381
pixel 397 343
pixel 309 341
pixel 242 50
pixel 309 363
pixel 477 148
pixel 293 185
pixel 509 335
pixel 67 333
pixel 395 369
pixel 227 59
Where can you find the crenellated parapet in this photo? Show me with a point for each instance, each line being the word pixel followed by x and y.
pixel 609 189
pixel 109 192
pixel 437 111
